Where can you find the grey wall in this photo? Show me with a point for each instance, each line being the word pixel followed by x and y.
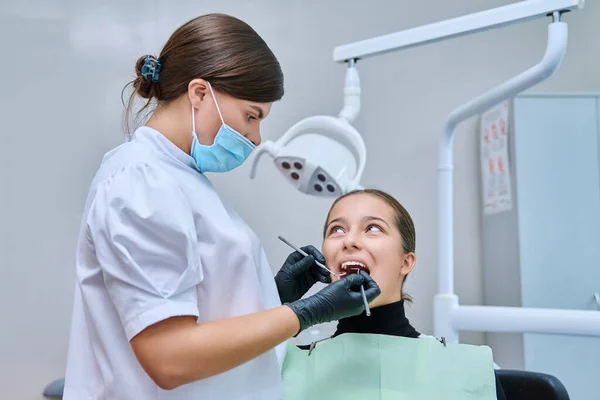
pixel 64 64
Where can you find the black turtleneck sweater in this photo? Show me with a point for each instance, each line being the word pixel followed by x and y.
pixel 389 319
pixel 384 320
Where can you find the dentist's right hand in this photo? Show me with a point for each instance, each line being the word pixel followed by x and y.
pixel 340 299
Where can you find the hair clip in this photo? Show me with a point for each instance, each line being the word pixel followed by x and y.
pixel 151 68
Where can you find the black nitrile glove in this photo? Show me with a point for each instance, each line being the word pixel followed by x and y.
pixel 299 273
pixel 341 299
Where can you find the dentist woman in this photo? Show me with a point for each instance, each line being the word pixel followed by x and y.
pixel 175 298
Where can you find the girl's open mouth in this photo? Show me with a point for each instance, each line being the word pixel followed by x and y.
pixel 353 267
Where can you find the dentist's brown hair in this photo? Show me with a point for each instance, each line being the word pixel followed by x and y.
pixel 219 48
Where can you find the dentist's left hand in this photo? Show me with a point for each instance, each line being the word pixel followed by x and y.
pixel 299 273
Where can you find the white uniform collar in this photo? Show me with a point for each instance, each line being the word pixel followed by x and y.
pixel 145 134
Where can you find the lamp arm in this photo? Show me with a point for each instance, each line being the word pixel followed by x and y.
pixel 351 93
pixel 267 147
pixel 555 52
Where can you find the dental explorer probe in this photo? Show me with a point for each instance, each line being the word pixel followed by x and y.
pixel 306 255
pixel 364 296
pixel 362 289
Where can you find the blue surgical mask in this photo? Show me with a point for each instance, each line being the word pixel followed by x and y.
pixel 229 150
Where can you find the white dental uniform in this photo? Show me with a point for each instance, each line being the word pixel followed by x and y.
pixel 157 241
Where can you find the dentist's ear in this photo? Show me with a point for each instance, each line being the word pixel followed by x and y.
pixel 197 91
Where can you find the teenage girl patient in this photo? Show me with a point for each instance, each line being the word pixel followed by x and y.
pixel 370 230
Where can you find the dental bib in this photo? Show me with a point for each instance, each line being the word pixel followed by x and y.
pixel 367 366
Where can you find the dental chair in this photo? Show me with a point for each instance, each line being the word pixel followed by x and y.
pixel 55 389
pixel 526 385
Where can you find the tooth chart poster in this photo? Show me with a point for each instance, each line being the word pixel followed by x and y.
pixel 495 165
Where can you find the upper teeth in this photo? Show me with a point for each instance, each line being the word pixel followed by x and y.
pixel 351 263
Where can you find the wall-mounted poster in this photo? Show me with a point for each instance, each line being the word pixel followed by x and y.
pixel 495 165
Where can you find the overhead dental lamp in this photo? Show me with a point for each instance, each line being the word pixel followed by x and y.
pixel 322 155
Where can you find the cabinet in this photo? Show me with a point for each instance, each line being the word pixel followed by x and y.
pixel 545 251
